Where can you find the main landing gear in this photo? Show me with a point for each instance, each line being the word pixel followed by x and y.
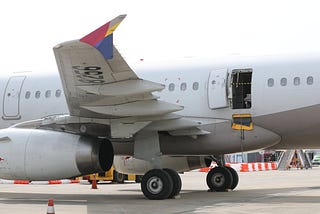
pixel 158 184
pixel 222 178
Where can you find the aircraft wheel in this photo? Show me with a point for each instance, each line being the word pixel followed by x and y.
pixel 219 179
pixel 157 184
pixel 235 177
pixel 177 184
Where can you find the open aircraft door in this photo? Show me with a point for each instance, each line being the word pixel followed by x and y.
pixel 217 89
pixel 11 98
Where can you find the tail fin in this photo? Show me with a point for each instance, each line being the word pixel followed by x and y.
pixel 102 38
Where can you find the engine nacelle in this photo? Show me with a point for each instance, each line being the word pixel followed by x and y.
pixel 130 165
pixel 35 154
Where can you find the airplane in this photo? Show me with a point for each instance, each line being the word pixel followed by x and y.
pixel 168 117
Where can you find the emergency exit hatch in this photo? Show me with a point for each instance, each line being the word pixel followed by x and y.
pixel 241 80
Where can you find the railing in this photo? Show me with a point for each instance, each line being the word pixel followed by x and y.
pixel 285 160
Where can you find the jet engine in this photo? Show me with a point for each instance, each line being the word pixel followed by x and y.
pixel 130 165
pixel 35 154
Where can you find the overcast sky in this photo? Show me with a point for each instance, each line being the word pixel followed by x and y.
pixel 158 29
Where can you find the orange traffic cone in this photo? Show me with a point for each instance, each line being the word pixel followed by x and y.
pixel 94 183
pixel 50 209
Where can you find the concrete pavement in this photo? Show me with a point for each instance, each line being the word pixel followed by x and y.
pixel 295 191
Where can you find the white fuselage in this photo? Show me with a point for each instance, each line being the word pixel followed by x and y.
pixel 278 86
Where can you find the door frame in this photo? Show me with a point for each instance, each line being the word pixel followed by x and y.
pixel 17 92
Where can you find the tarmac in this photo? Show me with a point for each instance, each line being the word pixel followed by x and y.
pixel 294 191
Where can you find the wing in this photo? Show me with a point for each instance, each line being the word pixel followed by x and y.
pixel 99 84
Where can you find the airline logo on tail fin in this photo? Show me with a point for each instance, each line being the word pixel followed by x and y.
pixel 102 38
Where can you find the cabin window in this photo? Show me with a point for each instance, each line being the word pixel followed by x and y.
pixel 195 86
pixel 283 81
pixel 296 81
pixel 241 88
pixel 58 93
pixel 270 82
pixel 48 94
pixel 37 94
pixel 310 80
pixel 183 86
pixel 28 94
pixel 171 87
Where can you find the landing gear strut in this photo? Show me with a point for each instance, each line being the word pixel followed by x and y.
pixel 222 178
pixel 158 184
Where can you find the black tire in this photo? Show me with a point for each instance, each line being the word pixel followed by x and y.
pixel 157 184
pixel 219 179
pixel 235 177
pixel 118 177
pixel 177 184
